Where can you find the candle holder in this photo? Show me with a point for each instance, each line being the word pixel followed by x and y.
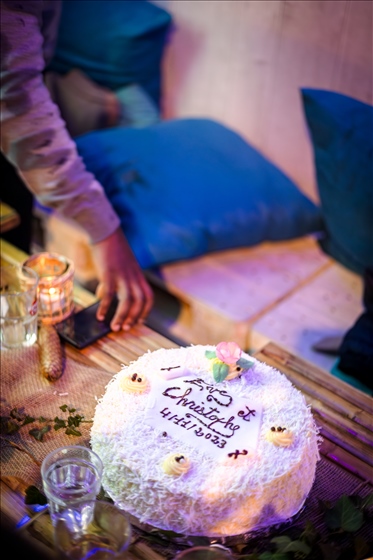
pixel 55 289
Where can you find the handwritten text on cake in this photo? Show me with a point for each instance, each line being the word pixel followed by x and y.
pixel 204 416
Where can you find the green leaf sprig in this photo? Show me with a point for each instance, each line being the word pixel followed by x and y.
pixel 17 419
pixel 34 496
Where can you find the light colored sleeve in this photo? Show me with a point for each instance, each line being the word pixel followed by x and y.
pixel 33 135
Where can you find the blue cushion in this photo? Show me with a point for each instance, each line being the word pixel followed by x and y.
pixel 114 42
pixel 342 137
pixel 183 188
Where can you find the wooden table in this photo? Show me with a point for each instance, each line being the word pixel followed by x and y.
pixel 343 413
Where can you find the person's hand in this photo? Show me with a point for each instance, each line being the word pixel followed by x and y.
pixel 120 274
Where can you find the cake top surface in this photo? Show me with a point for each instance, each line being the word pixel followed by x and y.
pixel 194 403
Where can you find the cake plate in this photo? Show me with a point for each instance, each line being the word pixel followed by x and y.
pixel 227 542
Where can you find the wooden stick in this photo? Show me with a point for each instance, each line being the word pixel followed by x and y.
pixel 329 416
pixel 347 442
pixel 346 460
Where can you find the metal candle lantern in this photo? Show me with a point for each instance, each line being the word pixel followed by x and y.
pixel 55 290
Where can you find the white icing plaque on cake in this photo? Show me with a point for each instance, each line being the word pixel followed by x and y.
pixel 205 416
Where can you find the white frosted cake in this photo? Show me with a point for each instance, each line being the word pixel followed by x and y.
pixel 205 440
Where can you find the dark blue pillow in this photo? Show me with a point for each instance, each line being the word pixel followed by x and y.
pixel 342 137
pixel 114 42
pixel 183 188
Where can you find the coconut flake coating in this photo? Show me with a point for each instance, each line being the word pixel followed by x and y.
pixel 214 498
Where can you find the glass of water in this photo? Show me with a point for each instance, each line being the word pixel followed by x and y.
pixel 71 480
pixel 18 306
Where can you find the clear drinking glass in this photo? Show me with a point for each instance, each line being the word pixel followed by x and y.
pixel 71 480
pixel 18 306
pixel 106 537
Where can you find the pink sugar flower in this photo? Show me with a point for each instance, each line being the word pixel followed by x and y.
pixel 228 352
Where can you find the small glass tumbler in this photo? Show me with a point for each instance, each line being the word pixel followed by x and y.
pixel 71 480
pixel 106 537
pixel 18 306
pixel 213 552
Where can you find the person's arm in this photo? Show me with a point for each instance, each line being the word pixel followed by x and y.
pixel 35 140
pixel 33 135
